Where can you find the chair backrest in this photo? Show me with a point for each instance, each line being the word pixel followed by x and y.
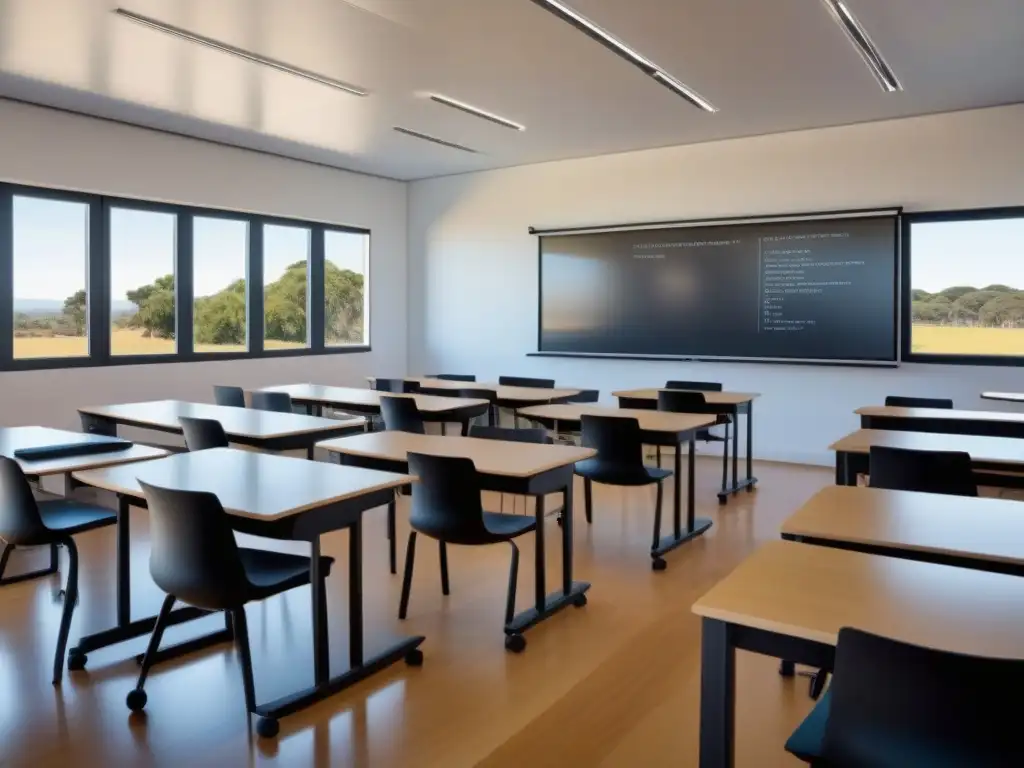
pixel 193 554
pixel 400 414
pixel 919 402
pixel 536 435
pixel 586 396
pixel 682 401
pixel 279 402
pixel 479 394
pixel 700 386
pixel 446 500
pixel 618 440
pixel 398 386
pixel 233 396
pixel 896 704
pixel 20 522
pixel 201 434
pixel 902 469
pixel 453 377
pixel 526 381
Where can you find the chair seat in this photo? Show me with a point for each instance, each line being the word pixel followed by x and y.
pixel 509 526
pixel 613 474
pixel 273 572
pixel 807 739
pixel 69 517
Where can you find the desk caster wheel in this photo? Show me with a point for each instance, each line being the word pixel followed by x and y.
pixel 659 564
pixel 722 500
pixel 515 643
pixel 136 700
pixel 414 658
pixel 76 660
pixel 559 521
pixel 267 727
pixel 580 600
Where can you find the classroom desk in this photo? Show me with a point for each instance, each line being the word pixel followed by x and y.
pixel 16 438
pixel 790 600
pixel 1010 397
pixel 726 403
pixel 431 407
pixel 265 430
pixel 995 454
pixel 512 398
pixel 980 533
pixel 952 422
pixel 526 469
pixel 276 497
pixel 657 428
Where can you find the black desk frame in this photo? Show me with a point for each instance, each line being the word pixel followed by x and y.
pixel 558 480
pixel 462 414
pixel 850 464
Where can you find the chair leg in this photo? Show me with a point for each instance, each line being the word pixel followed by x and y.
pixel 657 452
pixel 70 598
pixel 241 630
pixel 442 549
pixel 410 557
pixel 725 458
pixel 588 503
pixel 8 548
pixel 657 518
pixel 154 641
pixel 817 685
pixel 513 578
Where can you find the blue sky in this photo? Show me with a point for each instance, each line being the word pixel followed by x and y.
pixel 50 249
pixel 977 253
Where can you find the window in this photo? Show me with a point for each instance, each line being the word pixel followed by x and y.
pixel 346 255
pixel 51 263
pixel 285 279
pixel 966 286
pixel 220 251
pixel 142 289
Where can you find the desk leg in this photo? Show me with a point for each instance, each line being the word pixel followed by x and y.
pixel 321 649
pixel 355 596
pixel 677 502
pixel 717 694
pixel 844 474
pixel 694 526
pixel 751 480
pixel 123 563
pixel 311 452
pixel 540 568
pixel 567 538
pixel 736 447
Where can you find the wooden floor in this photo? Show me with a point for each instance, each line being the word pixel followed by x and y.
pixel 613 684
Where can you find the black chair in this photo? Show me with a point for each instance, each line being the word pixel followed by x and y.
pixel 453 377
pixel 901 469
pixel 691 401
pixel 233 396
pixel 278 402
pixel 201 434
pixel 525 381
pixel 482 394
pixel 25 522
pixel 919 402
pixel 892 704
pixel 446 506
pixel 397 386
pixel 619 461
pixel 537 436
pixel 400 414
pixel 195 560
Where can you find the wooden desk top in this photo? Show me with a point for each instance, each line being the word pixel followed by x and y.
pixel 492 457
pixel 1005 450
pixel 14 438
pixel 939 413
pixel 249 484
pixel 525 394
pixel 650 421
pixel 982 529
pixel 240 422
pixel 812 592
pixel 716 398
pixel 342 396
pixel 1013 397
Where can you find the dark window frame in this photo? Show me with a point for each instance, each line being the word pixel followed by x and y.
pixel 906 288
pixel 99 272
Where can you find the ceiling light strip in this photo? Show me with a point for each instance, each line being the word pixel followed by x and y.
pixel 241 53
pixel 433 139
pixel 865 47
pixel 619 48
pixel 476 111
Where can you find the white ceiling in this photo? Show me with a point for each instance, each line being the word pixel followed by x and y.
pixel 768 65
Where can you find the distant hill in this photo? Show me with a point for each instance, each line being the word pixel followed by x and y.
pixel 55 307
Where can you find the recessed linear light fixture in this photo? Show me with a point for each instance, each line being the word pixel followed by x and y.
pixel 865 47
pixel 241 53
pixel 612 43
pixel 433 139
pixel 475 111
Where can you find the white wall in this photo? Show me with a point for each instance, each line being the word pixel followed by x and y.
pixel 473 266
pixel 55 149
